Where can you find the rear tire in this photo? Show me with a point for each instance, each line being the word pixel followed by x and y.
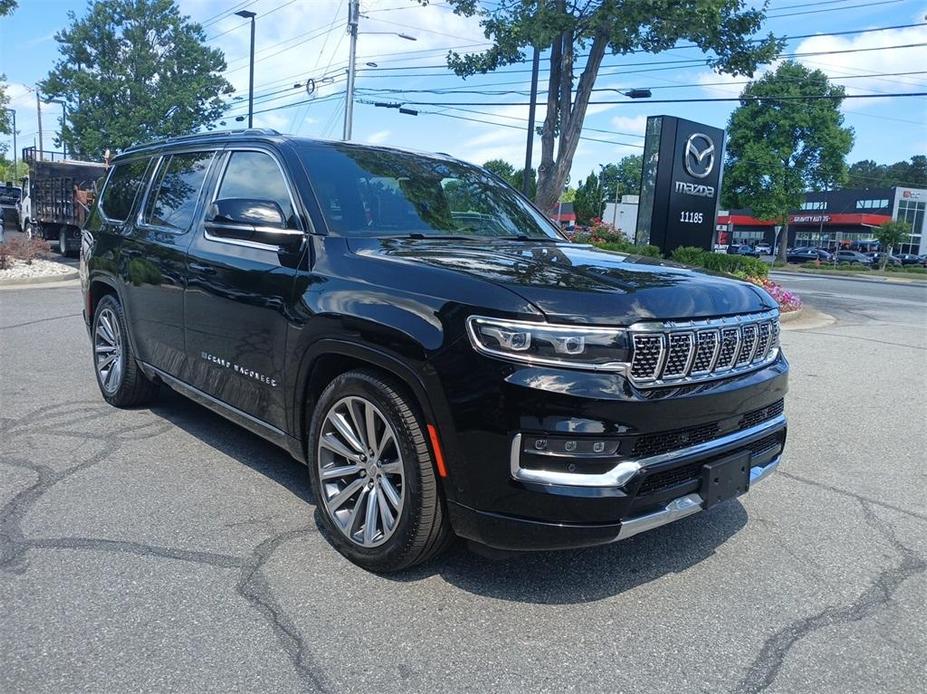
pixel 119 377
pixel 375 454
pixel 29 230
pixel 63 242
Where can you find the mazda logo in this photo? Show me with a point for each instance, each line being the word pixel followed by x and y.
pixel 699 157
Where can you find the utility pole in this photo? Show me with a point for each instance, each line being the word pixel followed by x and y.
pixel 38 113
pixel 353 15
pixel 526 174
pixel 247 14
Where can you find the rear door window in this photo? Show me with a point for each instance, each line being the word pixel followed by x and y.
pixel 176 190
pixel 124 183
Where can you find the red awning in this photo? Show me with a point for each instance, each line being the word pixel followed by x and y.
pixel 812 219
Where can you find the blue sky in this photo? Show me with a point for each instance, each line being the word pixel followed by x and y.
pixel 297 39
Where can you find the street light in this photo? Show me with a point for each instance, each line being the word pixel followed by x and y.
pixel 64 121
pixel 638 93
pixel 247 14
pixel 353 17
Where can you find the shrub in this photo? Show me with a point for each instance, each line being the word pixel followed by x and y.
pixel 27 250
pixel 690 255
pixel 626 246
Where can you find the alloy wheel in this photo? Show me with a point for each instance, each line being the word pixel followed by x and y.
pixel 108 352
pixel 361 478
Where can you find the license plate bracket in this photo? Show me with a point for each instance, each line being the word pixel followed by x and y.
pixel 725 479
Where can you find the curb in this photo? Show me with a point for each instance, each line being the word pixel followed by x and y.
pixel 791 315
pixel 811 319
pixel 833 276
pixel 25 281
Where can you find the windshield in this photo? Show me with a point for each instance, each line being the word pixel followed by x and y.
pixel 376 192
pixel 10 195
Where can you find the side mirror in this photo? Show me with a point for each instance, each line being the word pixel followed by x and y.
pixel 251 220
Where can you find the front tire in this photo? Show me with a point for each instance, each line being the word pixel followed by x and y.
pixel 29 230
pixel 373 474
pixel 63 242
pixel 119 377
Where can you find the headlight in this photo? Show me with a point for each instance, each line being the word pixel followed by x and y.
pixel 579 347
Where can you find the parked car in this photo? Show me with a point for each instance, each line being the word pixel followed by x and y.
pixel 10 199
pixel 742 249
pixel 911 259
pixel 891 260
pixel 428 343
pixel 763 249
pixel 845 256
pixel 806 255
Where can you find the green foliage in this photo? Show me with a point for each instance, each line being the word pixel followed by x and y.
pixel 588 203
pixel 8 173
pixel 779 148
pixel 890 234
pixel 742 266
pixel 689 255
pixel 725 30
pixel 625 176
pixel 514 178
pixel 134 70
pixel 868 174
pixel 501 168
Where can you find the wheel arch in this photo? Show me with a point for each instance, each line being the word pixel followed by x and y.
pixel 328 358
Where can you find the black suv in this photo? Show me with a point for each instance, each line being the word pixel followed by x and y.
pixel 428 343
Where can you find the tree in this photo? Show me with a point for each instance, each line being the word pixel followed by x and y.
pixel 623 178
pixel 6 122
pixel 890 234
pixel 778 148
pixel 501 168
pixel 133 70
pixel 721 27
pixel 588 201
pixel 868 174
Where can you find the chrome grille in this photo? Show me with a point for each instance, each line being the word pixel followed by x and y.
pixel 670 353
pixel 708 341
pixel 680 351
pixel 730 343
pixel 747 344
pixel 648 353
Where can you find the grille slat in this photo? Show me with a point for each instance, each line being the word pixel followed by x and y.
pixel 702 350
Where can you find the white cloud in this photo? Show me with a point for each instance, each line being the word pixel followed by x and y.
pixel 378 137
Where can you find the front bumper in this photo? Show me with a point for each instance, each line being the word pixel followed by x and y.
pixel 643 512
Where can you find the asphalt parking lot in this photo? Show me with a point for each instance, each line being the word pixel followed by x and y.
pixel 164 549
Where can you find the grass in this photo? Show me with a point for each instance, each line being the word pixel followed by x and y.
pixel 912 273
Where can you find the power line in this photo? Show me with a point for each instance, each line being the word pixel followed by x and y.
pixel 812 97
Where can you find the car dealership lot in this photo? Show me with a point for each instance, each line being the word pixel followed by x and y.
pixel 166 549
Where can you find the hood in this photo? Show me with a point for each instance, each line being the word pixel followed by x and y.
pixel 578 283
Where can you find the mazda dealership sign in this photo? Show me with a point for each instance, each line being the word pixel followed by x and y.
pixel 680 184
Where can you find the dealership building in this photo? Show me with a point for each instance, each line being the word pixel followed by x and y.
pixel 828 219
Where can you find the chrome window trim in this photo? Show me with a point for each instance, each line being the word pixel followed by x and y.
pixel 625 470
pixel 223 167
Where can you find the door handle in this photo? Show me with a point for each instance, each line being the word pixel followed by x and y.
pixel 205 269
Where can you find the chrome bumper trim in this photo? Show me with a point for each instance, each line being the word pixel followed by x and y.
pixel 622 473
pixel 683 506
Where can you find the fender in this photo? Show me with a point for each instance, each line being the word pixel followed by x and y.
pixel 425 388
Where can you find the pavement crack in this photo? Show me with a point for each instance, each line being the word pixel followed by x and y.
pixel 224 561
pixel 845 492
pixel 40 320
pixel 768 664
pixel 254 588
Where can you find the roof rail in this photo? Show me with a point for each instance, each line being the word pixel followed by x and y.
pixel 202 135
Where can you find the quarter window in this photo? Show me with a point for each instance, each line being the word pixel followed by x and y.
pixel 173 197
pixel 121 189
pixel 256 176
